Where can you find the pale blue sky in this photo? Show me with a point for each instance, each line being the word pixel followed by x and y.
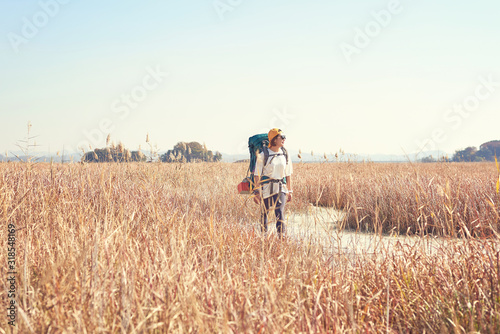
pixel 259 64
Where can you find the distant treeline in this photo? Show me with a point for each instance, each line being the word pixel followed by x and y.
pixel 486 152
pixel 182 152
pixel 190 152
pixel 113 154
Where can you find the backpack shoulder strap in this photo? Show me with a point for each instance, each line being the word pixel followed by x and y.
pixel 285 153
pixel 265 149
pixel 266 155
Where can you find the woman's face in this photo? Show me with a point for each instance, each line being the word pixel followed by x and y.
pixel 280 141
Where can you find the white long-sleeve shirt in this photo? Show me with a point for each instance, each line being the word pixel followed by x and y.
pixel 276 168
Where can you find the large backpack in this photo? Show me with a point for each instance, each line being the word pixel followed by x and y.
pixel 257 144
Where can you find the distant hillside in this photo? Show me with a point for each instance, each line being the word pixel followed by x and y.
pixel 43 157
pixel 342 157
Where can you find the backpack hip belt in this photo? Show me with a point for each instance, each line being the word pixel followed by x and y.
pixel 272 182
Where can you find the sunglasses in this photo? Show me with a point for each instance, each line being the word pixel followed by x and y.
pixel 283 137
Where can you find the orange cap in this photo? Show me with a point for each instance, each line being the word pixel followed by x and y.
pixel 273 133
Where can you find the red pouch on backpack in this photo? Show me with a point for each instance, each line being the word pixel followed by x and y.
pixel 244 187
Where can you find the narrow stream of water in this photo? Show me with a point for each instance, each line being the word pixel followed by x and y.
pixel 319 225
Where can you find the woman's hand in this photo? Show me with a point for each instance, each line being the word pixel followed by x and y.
pixel 256 197
pixel 289 187
pixel 256 192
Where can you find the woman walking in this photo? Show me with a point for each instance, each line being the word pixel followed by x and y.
pixel 273 180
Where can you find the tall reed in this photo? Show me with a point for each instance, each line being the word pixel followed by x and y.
pixel 170 248
pixel 439 199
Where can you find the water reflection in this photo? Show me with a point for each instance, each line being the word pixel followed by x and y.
pixel 320 225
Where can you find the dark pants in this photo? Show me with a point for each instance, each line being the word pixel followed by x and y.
pixel 276 203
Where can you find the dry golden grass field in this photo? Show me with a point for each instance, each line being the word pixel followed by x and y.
pixel 171 248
